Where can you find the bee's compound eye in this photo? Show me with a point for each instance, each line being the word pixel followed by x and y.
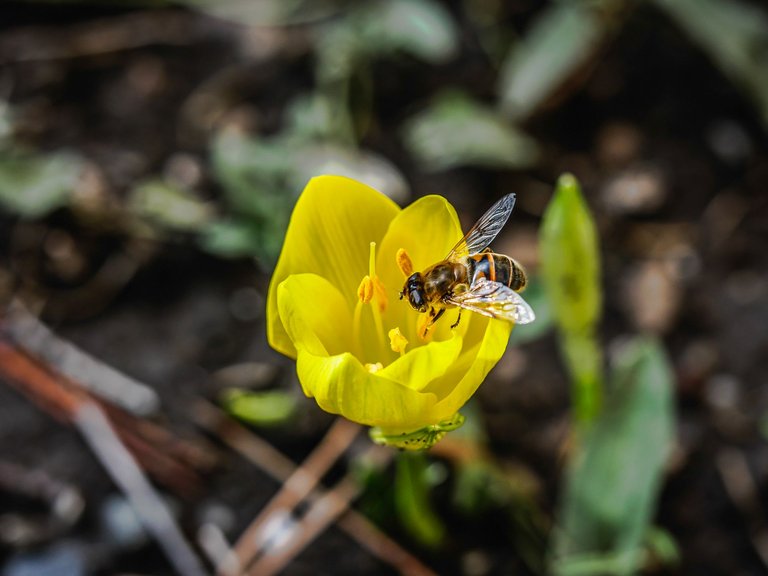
pixel 416 300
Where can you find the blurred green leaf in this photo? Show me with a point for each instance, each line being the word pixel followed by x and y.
pixel 536 296
pixel 457 131
pixel 735 35
pixel 262 178
pixel 34 185
pixel 561 40
pixel 170 206
pixel 311 116
pixel 252 173
pixel 231 238
pixel 662 546
pixel 412 492
pixel 268 408
pixel 570 271
pixel 6 124
pixel 614 479
pixel 422 28
pixel 570 258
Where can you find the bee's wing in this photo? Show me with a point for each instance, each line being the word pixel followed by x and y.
pixel 495 300
pixel 485 230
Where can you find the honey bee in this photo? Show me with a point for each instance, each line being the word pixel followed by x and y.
pixel 471 277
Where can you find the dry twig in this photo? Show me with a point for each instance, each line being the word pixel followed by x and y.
pixel 279 467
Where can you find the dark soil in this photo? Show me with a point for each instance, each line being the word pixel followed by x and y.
pixel 651 105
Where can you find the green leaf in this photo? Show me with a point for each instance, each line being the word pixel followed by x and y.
pixel 422 28
pixel 233 238
pixel 252 173
pixel 570 271
pixel 268 408
pixel 735 35
pixel 170 206
pixel 375 28
pixel 570 258
pixel 35 185
pixel 561 40
pixel 262 178
pixel 613 481
pixel 412 500
pixel 457 131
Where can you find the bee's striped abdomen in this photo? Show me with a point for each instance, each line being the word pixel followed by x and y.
pixel 496 268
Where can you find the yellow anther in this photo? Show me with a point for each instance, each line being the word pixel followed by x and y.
pixel 397 341
pixel 379 294
pixel 373 368
pixel 365 290
pixel 404 262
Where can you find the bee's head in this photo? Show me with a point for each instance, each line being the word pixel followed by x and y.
pixel 414 289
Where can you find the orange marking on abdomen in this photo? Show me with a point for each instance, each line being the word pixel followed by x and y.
pixel 491 267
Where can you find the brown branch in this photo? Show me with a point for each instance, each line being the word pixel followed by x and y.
pixel 166 457
pixel 301 482
pixel 279 467
pixel 321 514
pixel 126 473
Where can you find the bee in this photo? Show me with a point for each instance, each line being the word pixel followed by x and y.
pixel 471 277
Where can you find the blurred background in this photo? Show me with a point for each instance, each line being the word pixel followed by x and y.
pixel 150 155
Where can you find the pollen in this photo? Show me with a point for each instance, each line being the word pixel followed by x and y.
pixel 373 368
pixel 404 262
pixel 397 341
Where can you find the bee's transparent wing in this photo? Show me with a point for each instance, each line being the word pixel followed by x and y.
pixel 485 230
pixel 496 301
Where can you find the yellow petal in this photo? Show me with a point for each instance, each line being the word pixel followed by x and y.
pixel 342 385
pixel 314 314
pixel 475 363
pixel 424 364
pixel 318 320
pixel 331 228
pixel 427 230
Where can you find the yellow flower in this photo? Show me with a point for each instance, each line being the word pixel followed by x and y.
pixel 333 306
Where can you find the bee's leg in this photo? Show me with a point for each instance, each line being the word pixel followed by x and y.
pixel 433 317
pixel 457 320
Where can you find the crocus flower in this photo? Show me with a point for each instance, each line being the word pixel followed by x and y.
pixel 333 306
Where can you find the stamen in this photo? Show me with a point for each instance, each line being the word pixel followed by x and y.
pixel 379 293
pixel 365 290
pixel 371 291
pixel 404 262
pixel 397 341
